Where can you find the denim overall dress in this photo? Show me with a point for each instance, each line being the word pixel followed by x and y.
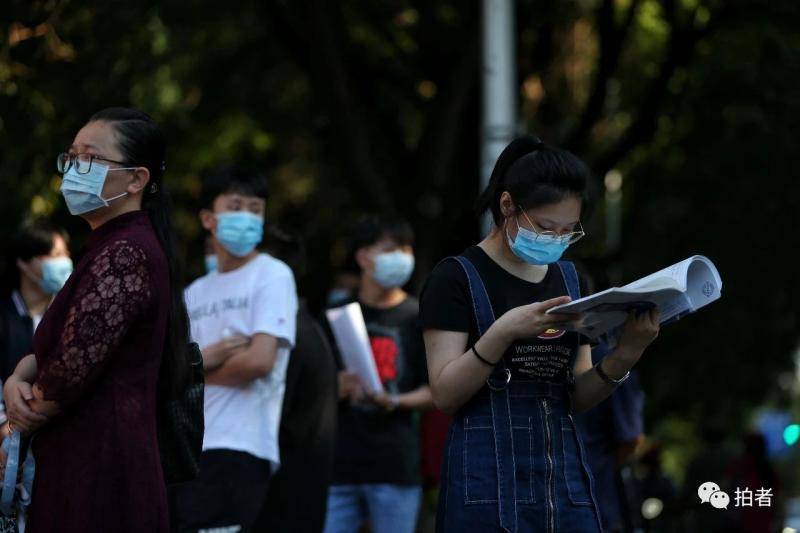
pixel 513 460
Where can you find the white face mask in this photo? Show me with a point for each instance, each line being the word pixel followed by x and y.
pixel 84 192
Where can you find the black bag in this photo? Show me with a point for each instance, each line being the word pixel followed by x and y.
pixel 181 425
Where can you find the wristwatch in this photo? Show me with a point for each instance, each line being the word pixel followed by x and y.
pixel 608 379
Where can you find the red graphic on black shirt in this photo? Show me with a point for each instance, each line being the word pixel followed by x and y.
pixel 384 349
pixel 552 333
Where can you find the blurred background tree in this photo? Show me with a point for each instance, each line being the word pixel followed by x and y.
pixel 687 111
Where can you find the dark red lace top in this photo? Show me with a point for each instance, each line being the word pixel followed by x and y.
pixel 98 351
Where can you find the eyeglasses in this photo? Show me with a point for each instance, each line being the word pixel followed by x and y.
pixel 568 238
pixel 82 162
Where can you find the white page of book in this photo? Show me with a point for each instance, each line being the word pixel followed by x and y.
pixel 676 290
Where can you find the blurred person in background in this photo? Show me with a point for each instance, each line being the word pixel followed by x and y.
pixel 710 464
pixel 37 266
pixel 243 317
pixel 210 257
pixel 753 472
pixel 376 470
pixel 298 492
pixel 655 486
pixel 345 286
pixel 611 432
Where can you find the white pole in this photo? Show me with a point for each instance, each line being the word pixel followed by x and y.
pixel 499 87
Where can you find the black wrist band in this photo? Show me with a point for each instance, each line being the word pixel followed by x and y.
pixel 481 359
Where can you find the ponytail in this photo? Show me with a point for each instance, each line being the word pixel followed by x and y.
pixel 175 365
pixel 142 143
pixel 489 199
pixel 535 174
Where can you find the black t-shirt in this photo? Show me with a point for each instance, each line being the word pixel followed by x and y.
pixel 298 491
pixel 373 446
pixel 16 337
pixel 446 304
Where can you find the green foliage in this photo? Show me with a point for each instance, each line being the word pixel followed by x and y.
pixel 362 106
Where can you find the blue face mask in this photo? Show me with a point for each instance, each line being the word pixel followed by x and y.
pixel 55 273
pixel 84 192
pixel 536 249
pixel 337 296
pixel 393 269
pixel 211 262
pixel 239 231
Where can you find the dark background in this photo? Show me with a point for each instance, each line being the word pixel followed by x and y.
pixel 353 107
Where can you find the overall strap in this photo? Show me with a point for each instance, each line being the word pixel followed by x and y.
pixel 484 317
pixel 484 314
pixel 570 276
pixel 499 403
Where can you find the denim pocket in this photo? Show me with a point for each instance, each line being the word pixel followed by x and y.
pixel 524 456
pixel 480 461
pixel 576 475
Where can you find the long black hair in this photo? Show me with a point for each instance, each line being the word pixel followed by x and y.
pixel 535 174
pixel 142 144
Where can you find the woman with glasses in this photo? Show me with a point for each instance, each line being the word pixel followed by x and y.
pixel 510 373
pixel 113 336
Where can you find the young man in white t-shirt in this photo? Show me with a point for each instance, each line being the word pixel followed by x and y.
pixel 243 317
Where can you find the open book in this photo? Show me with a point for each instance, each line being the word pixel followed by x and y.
pixel 677 290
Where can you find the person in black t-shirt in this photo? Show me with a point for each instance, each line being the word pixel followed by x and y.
pixel 511 374
pixel 298 492
pixel 376 472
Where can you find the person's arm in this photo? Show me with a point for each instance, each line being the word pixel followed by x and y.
pixel 26 368
pixel 113 293
pixel 217 353
pixel 419 398
pixel 17 395
pixel 274 311
pixel 590 389
pixel 42 406
pixel 455 373
pixel 246 363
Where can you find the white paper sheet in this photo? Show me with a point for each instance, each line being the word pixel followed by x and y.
pixel 350 332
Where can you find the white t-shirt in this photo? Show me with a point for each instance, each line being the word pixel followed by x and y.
pixel 259 297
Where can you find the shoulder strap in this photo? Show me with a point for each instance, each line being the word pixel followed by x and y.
pixel 484 314
pixel 570 275
pixel 8 502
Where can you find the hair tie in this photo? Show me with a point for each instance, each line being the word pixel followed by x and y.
pixel 153 188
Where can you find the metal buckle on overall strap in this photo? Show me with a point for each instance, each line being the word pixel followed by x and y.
pixel 504 385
